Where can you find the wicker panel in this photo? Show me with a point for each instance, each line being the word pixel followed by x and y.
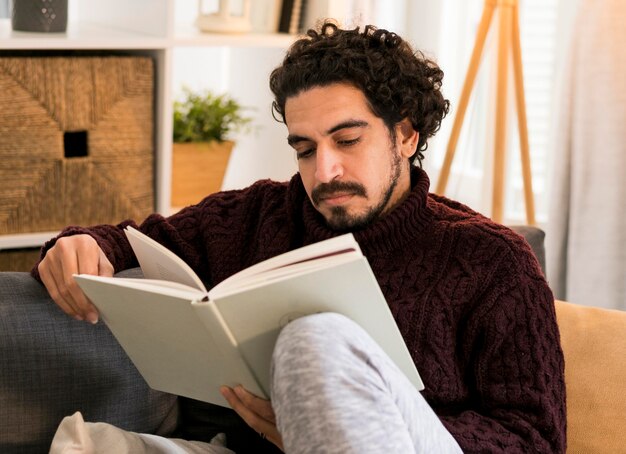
pixel 41 98
pixel 19 259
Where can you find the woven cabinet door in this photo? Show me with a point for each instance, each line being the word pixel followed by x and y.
pixel 48 178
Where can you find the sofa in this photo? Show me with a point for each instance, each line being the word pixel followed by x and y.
pixel 53 366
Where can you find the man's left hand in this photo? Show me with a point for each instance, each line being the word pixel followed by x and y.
pixel 256 412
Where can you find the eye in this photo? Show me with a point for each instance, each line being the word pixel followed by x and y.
pixel 348 142
pixel 305 153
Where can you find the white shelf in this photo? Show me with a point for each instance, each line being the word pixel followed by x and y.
pixel 78 36
pixel 95 36
pixel 25 240
pixel 188 35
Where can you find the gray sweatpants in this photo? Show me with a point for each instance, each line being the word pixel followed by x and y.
pixel 335 391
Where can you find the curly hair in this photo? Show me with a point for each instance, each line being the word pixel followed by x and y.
pixel 397 82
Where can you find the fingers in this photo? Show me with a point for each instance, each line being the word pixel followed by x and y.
pixel 104 266
pixel 73 255
pixel 48 280
pixel 256 412
pixel 262 407
pixel 56 273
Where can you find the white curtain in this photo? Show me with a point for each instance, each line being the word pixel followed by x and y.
pixel 586 233
pixel 4 8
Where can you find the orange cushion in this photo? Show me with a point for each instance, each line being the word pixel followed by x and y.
pixel 594 345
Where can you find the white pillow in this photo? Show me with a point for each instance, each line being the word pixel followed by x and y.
pixel 75 436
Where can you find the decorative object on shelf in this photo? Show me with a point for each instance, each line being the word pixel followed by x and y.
pixel 202 124
pixel 77 143
pixel 265 15
pixel 39 16
pixel 225 20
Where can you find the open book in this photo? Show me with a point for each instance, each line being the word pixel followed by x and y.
pixel 187 341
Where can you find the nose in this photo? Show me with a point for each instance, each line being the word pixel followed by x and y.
pixel 328 164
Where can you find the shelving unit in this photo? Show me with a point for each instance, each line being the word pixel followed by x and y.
pixel 79 36
pixel 188 35
pixel 141 27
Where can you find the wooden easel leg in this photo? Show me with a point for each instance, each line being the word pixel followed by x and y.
pixel 521 119
pixel 499 159
pixel 470 78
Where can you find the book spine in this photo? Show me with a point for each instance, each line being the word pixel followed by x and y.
pixel 285 16
pixel 220 325
pixel 292 16
pixel 296 14
pixel 302 25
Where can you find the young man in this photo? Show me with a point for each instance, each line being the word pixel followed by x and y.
pixel 467 294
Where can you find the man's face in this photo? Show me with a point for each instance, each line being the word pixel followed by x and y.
pixel 352 169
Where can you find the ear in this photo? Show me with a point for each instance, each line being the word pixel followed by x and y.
pixel 406 138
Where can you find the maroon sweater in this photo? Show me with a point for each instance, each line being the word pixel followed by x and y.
pixel 468 296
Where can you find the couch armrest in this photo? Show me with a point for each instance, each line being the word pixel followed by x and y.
pixel 594 345
pixel 52 366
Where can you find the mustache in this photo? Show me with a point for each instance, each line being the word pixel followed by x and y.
pixel 328 189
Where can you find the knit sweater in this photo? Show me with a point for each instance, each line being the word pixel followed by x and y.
pixel 467 294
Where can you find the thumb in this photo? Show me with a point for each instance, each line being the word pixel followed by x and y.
pixel 104 265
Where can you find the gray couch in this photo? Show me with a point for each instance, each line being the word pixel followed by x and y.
pixel 53 366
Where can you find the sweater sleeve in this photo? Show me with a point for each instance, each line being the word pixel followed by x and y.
pixel 198 234
pixel 181 233
pixel 110 238
pixel 516 363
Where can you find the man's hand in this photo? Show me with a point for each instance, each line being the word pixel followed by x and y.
pixel 256 412
pixel 78 254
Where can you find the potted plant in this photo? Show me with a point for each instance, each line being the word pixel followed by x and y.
pixel 203 124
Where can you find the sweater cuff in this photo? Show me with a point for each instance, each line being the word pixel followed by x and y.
pixel 68 231
pixel 110 239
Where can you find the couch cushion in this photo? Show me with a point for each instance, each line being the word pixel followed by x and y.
pixel 535 237
pixel 594 345
pixel 52 366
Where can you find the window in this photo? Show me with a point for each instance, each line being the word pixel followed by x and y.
pixel 470 181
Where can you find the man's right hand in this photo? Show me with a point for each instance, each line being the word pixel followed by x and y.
pixel 77 254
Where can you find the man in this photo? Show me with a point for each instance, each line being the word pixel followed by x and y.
pixel 467 294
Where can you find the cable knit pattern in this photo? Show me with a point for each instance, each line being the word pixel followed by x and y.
pixel 468 295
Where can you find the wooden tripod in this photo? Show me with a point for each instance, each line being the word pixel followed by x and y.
pixel 508 39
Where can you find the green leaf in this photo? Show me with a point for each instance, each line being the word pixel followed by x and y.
pixel 204 116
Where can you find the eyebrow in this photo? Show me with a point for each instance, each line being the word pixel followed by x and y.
pixel 293 139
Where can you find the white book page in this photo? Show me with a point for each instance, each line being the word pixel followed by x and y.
pixel 338 245
pixel 167 288
pixel 281 273
pixel 158 262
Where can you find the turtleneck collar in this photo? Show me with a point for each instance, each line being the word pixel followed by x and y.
pixel 395 229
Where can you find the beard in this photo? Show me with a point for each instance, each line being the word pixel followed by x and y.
pixel 340 218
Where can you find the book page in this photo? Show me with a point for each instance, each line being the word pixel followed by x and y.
pixel 247 282
pixel 169 288
pixel 158 262
pixel 333 246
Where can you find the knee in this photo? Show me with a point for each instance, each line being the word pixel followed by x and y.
pixel 313 331
pixel 314 340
